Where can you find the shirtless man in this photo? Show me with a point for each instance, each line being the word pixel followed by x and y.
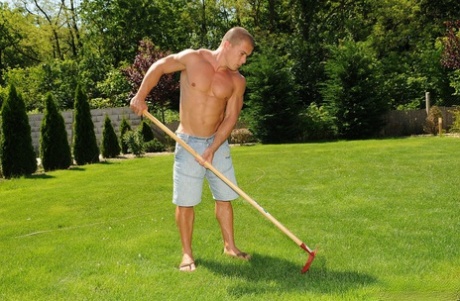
pixel 211 99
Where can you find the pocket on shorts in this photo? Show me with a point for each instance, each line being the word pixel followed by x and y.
pixel 185 163
pixel 223 158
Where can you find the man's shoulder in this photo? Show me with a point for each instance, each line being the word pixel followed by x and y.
pixel 192 55
pixel 195 52
pixel 237 76
pixel 240 81
pixel 203 51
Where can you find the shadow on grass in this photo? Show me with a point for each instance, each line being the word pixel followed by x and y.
pixel 105 162
pixel 39 176
pixel 265 274
pixel 76 168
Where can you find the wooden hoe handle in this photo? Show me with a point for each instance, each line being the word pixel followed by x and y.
pixel 209 166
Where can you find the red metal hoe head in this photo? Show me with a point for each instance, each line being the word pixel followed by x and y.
pixel 311 257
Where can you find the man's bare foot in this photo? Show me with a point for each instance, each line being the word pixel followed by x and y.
pixel 237 254
pixel 188 267
pixel 187 264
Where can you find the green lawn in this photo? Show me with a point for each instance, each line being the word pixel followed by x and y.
pixel 384 215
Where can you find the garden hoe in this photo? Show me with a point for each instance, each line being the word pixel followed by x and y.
pixel 312 253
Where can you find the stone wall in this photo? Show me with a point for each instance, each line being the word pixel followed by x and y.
pixel 398 123
pixel 98 117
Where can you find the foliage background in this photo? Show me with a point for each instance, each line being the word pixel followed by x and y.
pixel 53 46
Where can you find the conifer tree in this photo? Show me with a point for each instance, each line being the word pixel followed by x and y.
pixel 54 146
pixel 124 128
pixel 18 156
pixel 146 131
pixel 2 97
pixel 85 149
pixel 110 148
pixel 3 94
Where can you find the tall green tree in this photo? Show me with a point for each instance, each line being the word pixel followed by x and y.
pixel 59 19
pixel 438 12
pixel 35 82
pixel 3 95
pixel 352 91
pixel 406 42
pixel 313 27
pixel 54 147
pixel 17 153
pixel 272 108
pixel 21 43
pixel 85 149
pixel 211 19
pixel 115 27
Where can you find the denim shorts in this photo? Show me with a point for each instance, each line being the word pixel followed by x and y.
pixel 188 174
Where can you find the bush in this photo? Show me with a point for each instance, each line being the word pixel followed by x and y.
pixel 54 146
pixel 135 142
pixel 124 128
pixel 17 153
pixel 455 128
pixel 352 92
pixel 85 148
pixel 241 136
pixel 110 148
pixel 272 106
pixel 146 131
pixel 115 89
pixel 432 120
pixel 170 144
pixel 59 76
pixel 154 146
pixel 318 124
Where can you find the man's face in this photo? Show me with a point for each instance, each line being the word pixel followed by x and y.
pixel 237 54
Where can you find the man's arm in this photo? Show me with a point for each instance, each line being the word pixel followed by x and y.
pixel 232 112
pixel 169 64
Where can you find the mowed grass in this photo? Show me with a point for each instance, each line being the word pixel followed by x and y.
pixel 384 215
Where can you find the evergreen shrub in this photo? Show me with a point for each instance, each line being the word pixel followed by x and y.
pixel 146 131
pixel 85 149
pixel 110 148
pixel 352 92
pixel 154 146
pixel 54 147
pixel 17 153
pixel 124 128
pixel 272 107
pixel 135 142
pixel 318 124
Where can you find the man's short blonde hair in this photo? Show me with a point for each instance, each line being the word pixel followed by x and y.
pixel 236 35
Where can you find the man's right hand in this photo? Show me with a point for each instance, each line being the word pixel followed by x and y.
pixel 138 105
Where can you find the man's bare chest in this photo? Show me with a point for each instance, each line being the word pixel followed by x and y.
pixel 203 78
